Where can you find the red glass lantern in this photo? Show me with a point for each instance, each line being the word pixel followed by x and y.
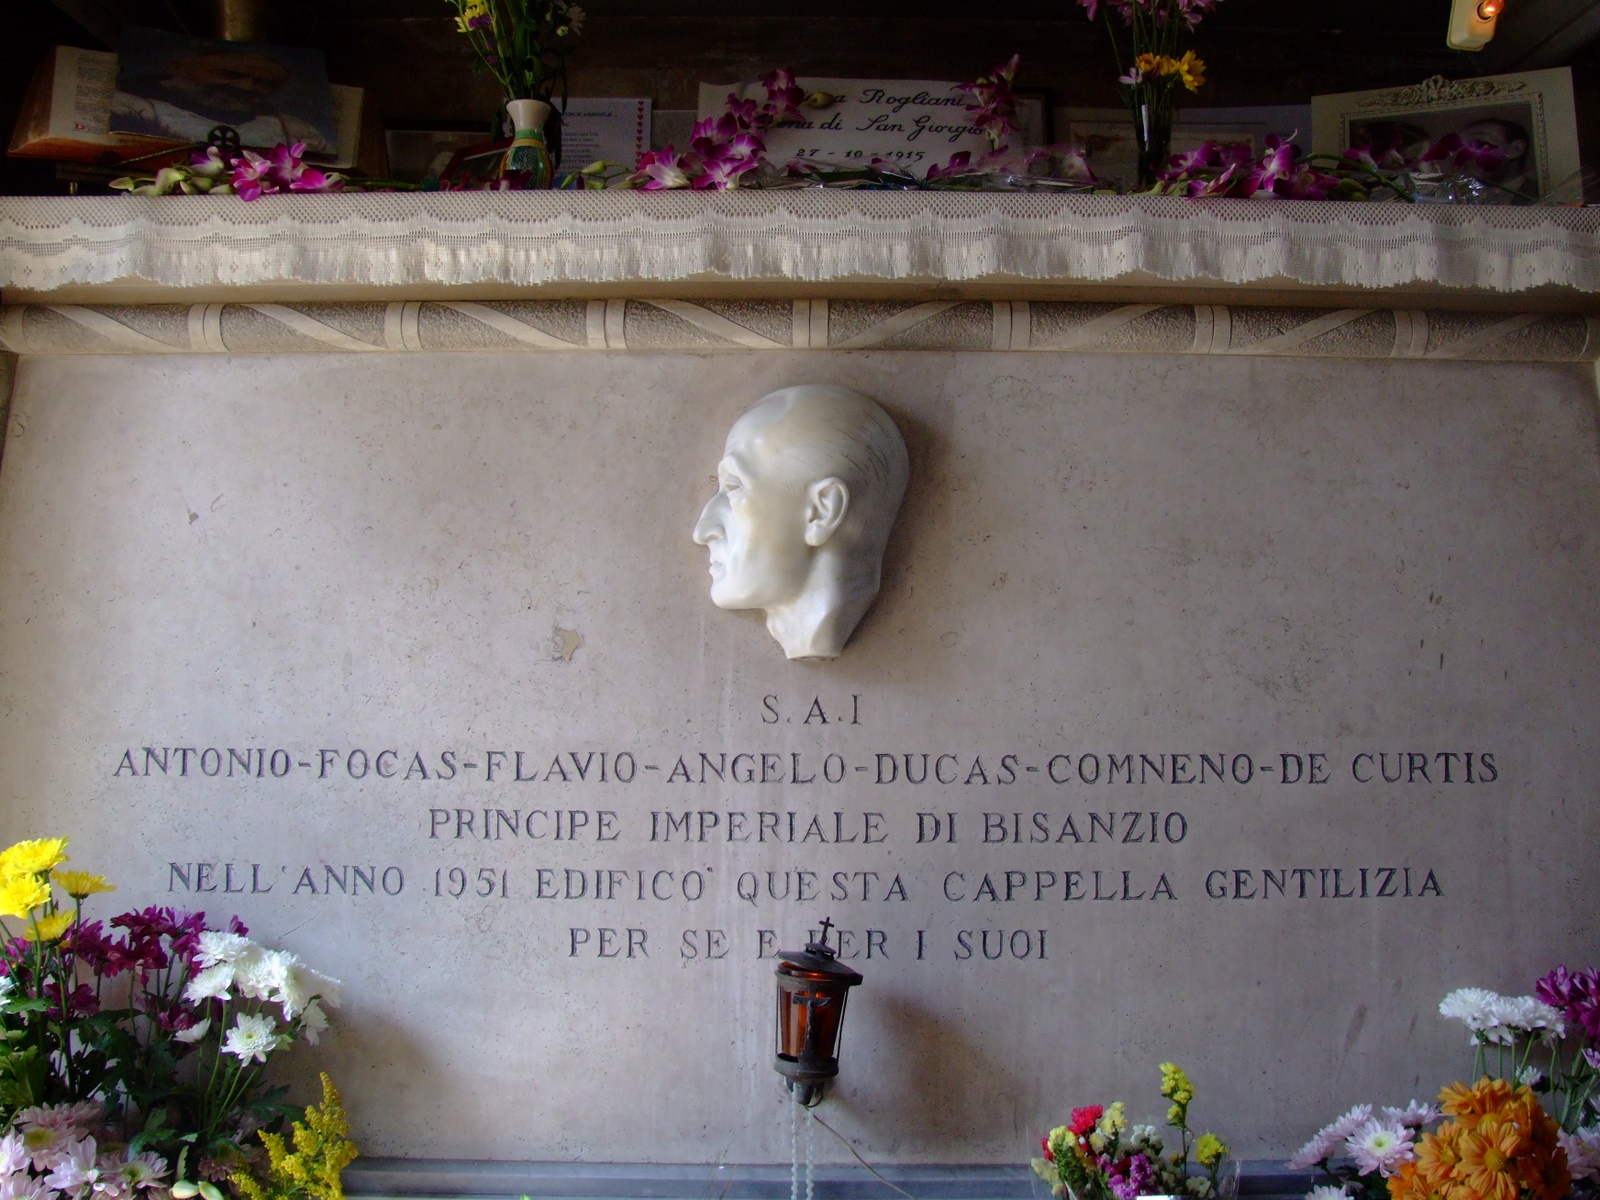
pixel 813 987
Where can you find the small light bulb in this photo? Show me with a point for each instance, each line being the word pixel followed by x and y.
pixel 1490 9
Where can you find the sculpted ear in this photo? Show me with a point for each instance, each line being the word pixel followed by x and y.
pixel 827 500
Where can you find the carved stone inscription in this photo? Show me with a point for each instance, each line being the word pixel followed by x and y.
pixel 517 846
pixel 1219 712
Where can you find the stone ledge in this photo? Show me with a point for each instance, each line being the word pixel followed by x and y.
pixel 415 1179
pixel 660 324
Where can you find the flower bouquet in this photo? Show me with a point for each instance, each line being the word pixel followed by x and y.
pixel 1158 68
pixel 1099 1156
pixel 133 1059
pixel 524 44
pixel 1499 1141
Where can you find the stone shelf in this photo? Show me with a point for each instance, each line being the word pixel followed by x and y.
pixel 785 244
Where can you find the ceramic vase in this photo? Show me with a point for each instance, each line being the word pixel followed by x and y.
pixel 528 158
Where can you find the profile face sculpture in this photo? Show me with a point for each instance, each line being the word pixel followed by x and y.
pixel 810 481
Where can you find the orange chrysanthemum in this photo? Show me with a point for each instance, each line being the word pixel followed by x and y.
pixel 1468 1104
pixel 1489 1159
pixel 1408 1183
pixel 1437 1157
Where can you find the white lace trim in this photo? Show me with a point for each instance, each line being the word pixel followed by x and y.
pixel 528 238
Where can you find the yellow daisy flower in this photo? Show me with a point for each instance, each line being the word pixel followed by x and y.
pixel 21 894
pixel 33 857
pixel 79 884
pixel 48 928
pixel 1191 69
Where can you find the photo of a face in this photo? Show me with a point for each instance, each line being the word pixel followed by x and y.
pixel 180 88
pixel 1505 128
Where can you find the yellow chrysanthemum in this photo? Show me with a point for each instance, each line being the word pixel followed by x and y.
pixel 21 894
pixel 48 928
pixel 79 884
pixel 32 857
pixel 1191 69
pixel 1209 1150
pixel 1149 64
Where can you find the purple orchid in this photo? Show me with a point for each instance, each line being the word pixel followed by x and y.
pixel 959 164
pixel 1463 154
pixel 661 169
pixel 783 96
pixel 996 108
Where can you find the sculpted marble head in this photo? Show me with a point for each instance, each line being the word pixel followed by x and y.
pixel 809 484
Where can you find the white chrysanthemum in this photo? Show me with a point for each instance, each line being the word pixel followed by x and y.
pixel 142 1170
pixel 1526 1014
pixel 1381 1147
pixel 75 1169
pixel 25 1187
pixel 258 973
pixel 1583 1151
pixel 44 1144
pixel 194 1033
pixel 216 946
pixel 300 984
pixel 1413 1116
pixel 1473 1007
pixel 313 1022
pixel 1327 1191
pixel 252 1038
pixel 1530 1076
pixel 7 986
pixel 210 984
pixel 13 1154
pixel 1329 1138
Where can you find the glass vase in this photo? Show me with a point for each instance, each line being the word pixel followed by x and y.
pixel 1152 131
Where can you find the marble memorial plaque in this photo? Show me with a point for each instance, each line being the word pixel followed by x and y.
pixel 1222 711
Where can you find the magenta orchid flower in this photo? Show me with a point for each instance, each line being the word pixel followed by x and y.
pixel 661 169
pixel 996 108
pixel 783 96
pixel 959 164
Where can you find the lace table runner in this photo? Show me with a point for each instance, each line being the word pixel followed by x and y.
pixel 529 238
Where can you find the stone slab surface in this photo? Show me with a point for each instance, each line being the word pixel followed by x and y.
pixel 349 570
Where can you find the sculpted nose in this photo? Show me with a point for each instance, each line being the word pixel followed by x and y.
pixel 709 525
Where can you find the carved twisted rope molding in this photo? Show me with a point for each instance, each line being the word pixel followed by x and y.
pixel 718 325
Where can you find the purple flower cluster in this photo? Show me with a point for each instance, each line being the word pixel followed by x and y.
pixel 1577 995
pixel 1284 173
pixel 1187 12
pixel 996 108
pixel 724 149
pixel 282 170
pixel 1217 170
pixel 1129 1178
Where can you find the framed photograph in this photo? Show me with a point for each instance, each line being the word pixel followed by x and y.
pixel 1529 116
pixel 173 86
pixel 475 166
pixel 421 150
pixel 1106 134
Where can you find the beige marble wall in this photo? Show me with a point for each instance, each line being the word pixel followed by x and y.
pixel 1153 557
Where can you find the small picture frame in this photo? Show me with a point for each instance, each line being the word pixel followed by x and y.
pixel 1530 116
pixel 420 150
